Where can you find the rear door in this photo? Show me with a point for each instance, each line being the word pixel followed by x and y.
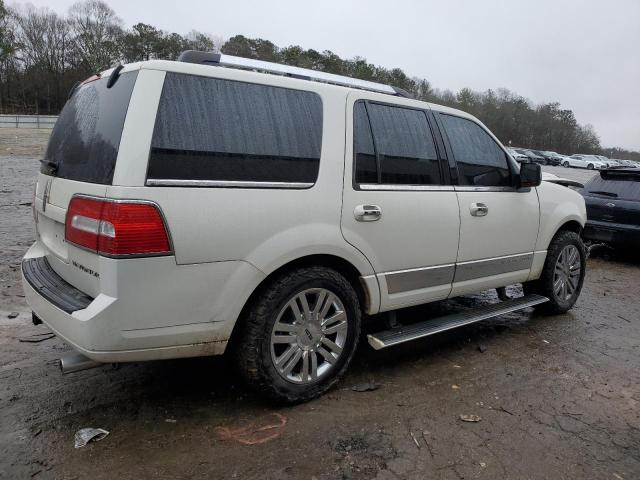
pixel 399 208
pixel 498 224
pixel 80 159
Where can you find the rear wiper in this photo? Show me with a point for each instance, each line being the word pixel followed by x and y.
pixel 608 194
pixel 51 167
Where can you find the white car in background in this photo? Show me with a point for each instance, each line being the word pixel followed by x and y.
pixel 516 155
pixel 584 161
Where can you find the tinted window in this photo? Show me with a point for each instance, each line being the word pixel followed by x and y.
pixel 85 140
pixel 403 143
pixel 624 188
pixel 365 155
pixel 481 162
pixel 212 129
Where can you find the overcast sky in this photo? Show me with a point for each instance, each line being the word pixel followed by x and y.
pixel 583 53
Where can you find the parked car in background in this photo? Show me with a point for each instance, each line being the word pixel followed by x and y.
pixel 556 157
pixel 613 207
pixel 604 159
pixel 627 163
pixel 532 156
pixel 548 159
pixel 516 155
pixel 563 158
pixel 584 161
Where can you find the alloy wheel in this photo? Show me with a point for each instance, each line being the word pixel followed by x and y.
pixel 566 275
pixel 309 335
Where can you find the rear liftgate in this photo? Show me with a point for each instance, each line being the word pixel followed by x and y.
pixel 406 333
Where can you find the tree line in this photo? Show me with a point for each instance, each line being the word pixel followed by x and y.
pixel 43 54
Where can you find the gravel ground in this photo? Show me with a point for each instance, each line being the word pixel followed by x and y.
pixel 557 397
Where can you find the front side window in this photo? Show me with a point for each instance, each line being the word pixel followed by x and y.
pixel 223 130
pixel 394 145
pixel 481 162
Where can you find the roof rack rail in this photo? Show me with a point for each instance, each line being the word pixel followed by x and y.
pixel 222 60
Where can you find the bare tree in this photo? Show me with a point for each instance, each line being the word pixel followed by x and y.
pixel 204 41
pixel 96 32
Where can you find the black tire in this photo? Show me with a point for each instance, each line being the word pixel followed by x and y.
pixel 252 345
pixel 565 164
pixel 590 166
pixel 544 285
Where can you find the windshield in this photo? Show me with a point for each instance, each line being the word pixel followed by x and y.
pixel 85 140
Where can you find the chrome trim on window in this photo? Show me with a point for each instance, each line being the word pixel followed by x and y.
pixel 155 182
pixel 484 189
pixel 409 188
pixel 417 278
pixel 492 266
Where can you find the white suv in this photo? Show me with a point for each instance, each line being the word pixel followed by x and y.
pixel 222 204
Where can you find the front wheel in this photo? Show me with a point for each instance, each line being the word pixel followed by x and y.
pixel 300 335
pixel 590 166
pixel 565 164
pixel 562 275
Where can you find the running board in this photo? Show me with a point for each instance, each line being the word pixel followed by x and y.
pixel 406 333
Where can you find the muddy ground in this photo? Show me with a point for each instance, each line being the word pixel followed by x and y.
pixel 557 397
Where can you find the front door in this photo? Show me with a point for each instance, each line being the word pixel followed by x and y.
pixel 397 208
pixel 498 223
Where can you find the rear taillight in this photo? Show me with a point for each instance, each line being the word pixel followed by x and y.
pixel 116 228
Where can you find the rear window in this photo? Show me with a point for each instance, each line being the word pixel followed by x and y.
pixel 221 130
pixel 85 140
pixel 625 187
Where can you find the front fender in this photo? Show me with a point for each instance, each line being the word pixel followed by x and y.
pixel 558 205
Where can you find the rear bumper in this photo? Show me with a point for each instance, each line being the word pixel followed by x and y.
pixel 42 278
pixel 160 310
pixel 615 233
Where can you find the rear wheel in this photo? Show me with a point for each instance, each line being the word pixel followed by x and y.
pixel 563 273
pixel 300 335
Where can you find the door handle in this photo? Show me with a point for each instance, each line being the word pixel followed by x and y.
pixel 367 213
pixel 479 209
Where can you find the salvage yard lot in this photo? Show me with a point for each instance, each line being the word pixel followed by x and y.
pixel 557 397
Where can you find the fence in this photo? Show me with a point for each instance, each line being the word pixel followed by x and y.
pixel 28 121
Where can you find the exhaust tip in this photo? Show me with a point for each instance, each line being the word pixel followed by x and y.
pixel 75 362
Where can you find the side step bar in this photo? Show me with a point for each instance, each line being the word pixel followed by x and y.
pixel 432 326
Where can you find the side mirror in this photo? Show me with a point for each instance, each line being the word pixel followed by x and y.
pixel 530 175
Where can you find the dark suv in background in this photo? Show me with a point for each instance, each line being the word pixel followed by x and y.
pixel 548 157
pixel 613 207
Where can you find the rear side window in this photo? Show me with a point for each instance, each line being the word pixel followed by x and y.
pixel 624 187
pixel 394 145
pixel 85 139
pixel 481 162
pixel 223 130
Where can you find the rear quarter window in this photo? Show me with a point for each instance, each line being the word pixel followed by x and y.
pixel 85 140
pixel 221 130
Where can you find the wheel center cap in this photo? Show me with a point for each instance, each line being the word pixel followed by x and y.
pixel 309 336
